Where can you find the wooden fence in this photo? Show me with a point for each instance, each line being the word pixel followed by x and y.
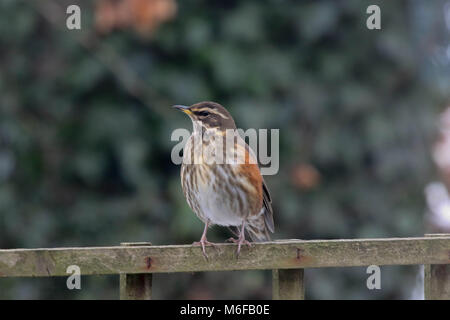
pixel 137 262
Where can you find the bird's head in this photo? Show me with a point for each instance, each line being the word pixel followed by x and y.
pixel 208 115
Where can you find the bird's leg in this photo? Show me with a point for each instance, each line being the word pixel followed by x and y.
pixel 203 241
pixel 240 240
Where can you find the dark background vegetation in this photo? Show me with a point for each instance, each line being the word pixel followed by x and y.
pixel 85 125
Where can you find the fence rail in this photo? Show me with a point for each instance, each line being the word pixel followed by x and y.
pixel 136 262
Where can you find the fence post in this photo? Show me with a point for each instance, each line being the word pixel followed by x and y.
pixel 136 286
pixel 437 278
pixel 287 284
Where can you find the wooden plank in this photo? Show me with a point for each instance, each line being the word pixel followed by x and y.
pixel 437 279
pixel 285 254
pixel 287 284
pixel 136 286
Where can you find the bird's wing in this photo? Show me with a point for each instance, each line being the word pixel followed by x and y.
pixel 267 199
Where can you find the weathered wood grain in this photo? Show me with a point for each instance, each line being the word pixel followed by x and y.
pixel 283 254
pixel 136 286
pixel 288 284
pixel 437 279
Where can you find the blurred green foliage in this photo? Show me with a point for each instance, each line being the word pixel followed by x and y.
pixel 85 152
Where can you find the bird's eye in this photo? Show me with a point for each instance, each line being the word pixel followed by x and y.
pixel 203 113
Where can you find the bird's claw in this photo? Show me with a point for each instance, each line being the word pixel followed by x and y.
pixel 240 241
pixel 203 243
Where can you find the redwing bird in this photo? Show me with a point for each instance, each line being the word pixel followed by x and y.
pixel 227 188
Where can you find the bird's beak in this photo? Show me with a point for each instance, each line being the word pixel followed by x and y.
pixel 185 109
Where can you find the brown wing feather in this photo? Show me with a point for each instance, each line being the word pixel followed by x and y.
pixel 258 227
pixel 267 199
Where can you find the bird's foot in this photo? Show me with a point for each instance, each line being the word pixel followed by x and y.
pixel 203 243
pixel 240 241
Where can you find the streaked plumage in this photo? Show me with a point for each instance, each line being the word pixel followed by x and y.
pixel 226 194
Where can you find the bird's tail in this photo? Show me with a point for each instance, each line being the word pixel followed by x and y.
pixel 257 229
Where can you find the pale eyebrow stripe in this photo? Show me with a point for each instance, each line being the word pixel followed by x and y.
pixel 210 110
